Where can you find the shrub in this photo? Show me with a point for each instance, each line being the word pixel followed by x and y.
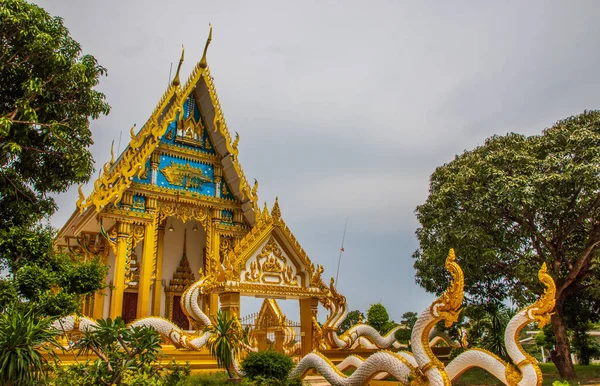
pixel 23 334
pixel 267 364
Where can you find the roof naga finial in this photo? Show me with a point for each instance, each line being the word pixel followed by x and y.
pixel 176 81
pixel 203 62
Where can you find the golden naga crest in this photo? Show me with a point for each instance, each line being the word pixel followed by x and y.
pixel 540 311
pixel 447 306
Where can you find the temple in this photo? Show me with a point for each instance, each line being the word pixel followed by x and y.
pixel 174 207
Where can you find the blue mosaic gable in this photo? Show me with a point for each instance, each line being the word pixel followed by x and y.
pixel 205 188
pixel 146 175
pixel 189 106
pixel 226 191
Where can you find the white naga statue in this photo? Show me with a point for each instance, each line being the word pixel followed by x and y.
pixel 419 367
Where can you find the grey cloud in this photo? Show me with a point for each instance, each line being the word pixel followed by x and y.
pixel 346 108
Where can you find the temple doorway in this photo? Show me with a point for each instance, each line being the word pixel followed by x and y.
pixel 130 300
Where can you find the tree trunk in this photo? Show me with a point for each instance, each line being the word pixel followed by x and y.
pixel 561 355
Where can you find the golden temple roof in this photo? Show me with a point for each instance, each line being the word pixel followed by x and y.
pixel 117 176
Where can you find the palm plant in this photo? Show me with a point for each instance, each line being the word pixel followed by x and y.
pixel 23 334
pixel 226 340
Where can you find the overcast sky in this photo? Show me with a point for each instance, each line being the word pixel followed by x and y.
pixel 344 109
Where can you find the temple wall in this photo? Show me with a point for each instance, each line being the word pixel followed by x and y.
pixel 196 242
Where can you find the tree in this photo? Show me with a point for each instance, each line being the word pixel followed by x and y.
pixel 512 204
pixel 352 318
pixel 408 321
pixel 379 319
pixel 47 98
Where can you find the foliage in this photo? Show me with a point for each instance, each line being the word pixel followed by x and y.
pixel 218 379
pixel 352 318
pixel 126 355
pixel 379 319
pixel 54 281
pixel 587 347
pixel 47 98
pixel 408 321
pixel 545 338
pixel 265 381
pixel 509 206
pixel 269 364
pixel 225 341
pixel 23 334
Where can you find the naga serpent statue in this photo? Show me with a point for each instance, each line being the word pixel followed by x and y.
pixel 423 368
pixel 420 367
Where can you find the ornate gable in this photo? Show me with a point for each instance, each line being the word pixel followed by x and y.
pixel 186 136
pixel 269 260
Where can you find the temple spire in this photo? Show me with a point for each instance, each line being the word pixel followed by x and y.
pixel 176 81
pixel 203 63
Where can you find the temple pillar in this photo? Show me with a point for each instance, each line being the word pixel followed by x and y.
pixel 279 338
pixel 116 301
pixel 230 303
pixel 157 289
pixel 308 309
pixel 144 293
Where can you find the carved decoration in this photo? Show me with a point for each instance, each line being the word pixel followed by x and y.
pixel 184 213
pixel 271 267
pixel 186 175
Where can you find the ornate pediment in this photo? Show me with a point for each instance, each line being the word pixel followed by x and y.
pixel 270 260
pixel 271 266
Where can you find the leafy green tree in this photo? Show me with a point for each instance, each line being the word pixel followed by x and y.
pixel 408 321
pixel 512 204
pixel 352 318
pixel 379 319
pixel 23 334
pixel 47 98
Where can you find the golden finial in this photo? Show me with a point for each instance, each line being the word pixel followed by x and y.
pixel 203 62
pixel 255 189
pixel 540 310
pixel 176 78
pixel 276 212
pixel 265 211
pixel 112 153
pixel 132 131
pixel 81 199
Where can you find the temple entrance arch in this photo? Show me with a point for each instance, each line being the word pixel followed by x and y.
pixel 269 263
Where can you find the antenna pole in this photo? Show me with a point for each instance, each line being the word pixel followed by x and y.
pixel 119 147
pixel 170 70
pixel 341 251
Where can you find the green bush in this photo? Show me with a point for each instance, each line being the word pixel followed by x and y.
pixel 267 364
pixel 218 379
pixel 265 381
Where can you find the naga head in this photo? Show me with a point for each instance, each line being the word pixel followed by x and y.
pixel 447 306
pixel 540 311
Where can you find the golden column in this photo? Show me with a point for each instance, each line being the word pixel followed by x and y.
pixel 116 301
pixel 157 289
pixel 148 258
pixel 230 303
pixel 308 309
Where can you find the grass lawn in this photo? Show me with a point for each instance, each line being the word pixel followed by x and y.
pixel 587 375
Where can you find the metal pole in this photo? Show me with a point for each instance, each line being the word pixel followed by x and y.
pixel 341 251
